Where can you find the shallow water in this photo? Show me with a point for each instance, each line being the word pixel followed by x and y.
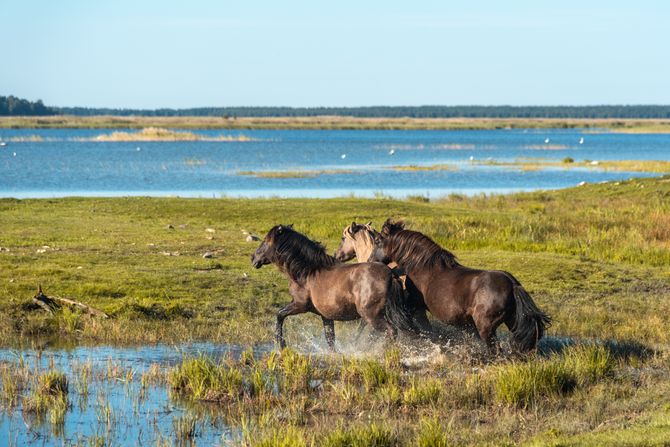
pixel 118 409
pixel 70 162
pixel 115 407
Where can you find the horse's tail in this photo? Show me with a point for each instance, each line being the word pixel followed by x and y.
pixel 530 322
pixel 396 309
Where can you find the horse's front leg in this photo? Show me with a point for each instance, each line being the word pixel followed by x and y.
pixel 329 332
pixel 292 308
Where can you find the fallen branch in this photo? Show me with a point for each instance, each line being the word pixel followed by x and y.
pixel 53 303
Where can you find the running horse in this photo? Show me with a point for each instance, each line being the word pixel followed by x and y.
pixel 460 295
pixel 320 284
pixel 358 240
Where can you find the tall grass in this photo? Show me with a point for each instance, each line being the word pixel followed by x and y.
pixel 522 384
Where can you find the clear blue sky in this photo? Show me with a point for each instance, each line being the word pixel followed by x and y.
pixel 163 53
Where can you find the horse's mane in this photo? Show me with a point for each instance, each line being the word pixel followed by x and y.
pixel 364 243
pixel 413 250
pixel 298 256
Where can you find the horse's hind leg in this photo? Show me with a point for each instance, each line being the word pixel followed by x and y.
pixel 380 324
pixel 486 328
pixel 421 320
pixel 329 332
pixel 292 308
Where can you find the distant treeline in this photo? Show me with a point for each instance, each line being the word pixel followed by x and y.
pixel 622 111
pixel 11 105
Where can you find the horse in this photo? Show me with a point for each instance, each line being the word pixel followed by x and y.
pixel 460 295
pixel 358 241
pixel 320 284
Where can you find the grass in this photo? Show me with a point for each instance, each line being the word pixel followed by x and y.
pixel 294 174
pixel 595 257
pixel 655 166
pixel 340 400
pixel 161 134
pixel 49 396
pixel 588 255
pixel 335 122
pixel 438 167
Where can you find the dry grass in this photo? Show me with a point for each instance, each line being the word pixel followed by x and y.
pixel 333 122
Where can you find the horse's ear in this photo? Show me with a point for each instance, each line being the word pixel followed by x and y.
pixel 289 226
pixel 369 224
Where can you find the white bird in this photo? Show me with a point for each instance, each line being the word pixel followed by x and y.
pixel 3 144
pixel 472 158
pixel 343 156
pixel 581 140
pixel 546 140
pixel 392 151
pixel 14 154
pixel 138 149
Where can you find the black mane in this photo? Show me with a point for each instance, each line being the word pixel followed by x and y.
pixel 412 250
pixel 297 255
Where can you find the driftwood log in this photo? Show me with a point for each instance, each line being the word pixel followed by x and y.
pixel 52 303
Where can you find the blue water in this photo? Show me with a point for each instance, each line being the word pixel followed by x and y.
pixel 61 166
pixel 137 416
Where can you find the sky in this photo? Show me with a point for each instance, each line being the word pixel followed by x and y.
pixel 197 53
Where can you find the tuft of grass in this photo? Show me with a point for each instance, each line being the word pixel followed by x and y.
pixel 523 384
pixel 373 435
pixel 422 392
pixel 432 434
pixel 589 364
pixel 185 430
pixel 49 396
pixel 202 379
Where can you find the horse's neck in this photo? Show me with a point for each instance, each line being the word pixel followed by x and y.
pixel 419 276
pixel 363 248
pixel 363 253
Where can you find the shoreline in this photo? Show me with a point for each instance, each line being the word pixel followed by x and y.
pixel 334 123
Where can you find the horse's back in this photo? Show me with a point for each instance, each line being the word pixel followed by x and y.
pixel 344 290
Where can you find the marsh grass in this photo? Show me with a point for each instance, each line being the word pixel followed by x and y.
pixel 524 384
pixel 303 173
pixel 372 435
pixel 599 250
pixel 186 429
pixel 49 396
pixel 655 166
pixel 161 134
pixel 335 122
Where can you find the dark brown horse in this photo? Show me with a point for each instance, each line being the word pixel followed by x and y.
pixel 460 295
pixel 322 285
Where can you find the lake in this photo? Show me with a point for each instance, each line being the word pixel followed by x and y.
pixel 308 163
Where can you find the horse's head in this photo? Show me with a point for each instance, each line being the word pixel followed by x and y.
pixel 389 228
pixel 349 245
pixel 379 252
pixel 267 251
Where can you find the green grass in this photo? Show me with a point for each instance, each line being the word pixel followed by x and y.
pixel 655 166
pixel 588 255
pixel 339 400
pixel 594 257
